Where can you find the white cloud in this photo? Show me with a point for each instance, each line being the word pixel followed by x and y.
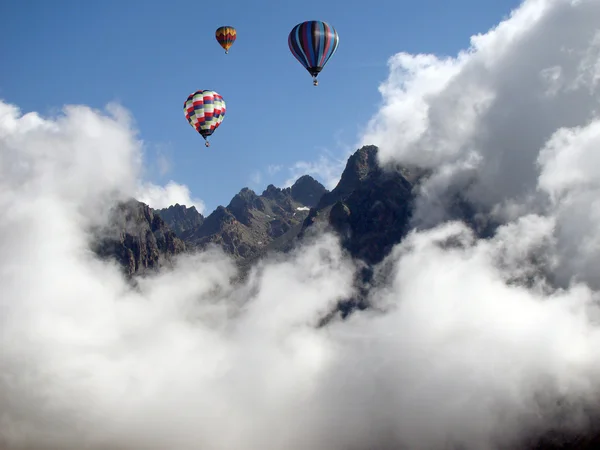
pixel 158 197
pixel 490 101
pixel 471 343
pixel 504 118
pixel 70 157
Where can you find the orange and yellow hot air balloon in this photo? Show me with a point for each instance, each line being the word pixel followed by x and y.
pixel 226 37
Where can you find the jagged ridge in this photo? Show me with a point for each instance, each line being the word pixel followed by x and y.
pixel 369 208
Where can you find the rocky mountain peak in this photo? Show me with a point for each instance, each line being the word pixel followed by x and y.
pixel 180 218
pixel 242 204
pixel 273 193
pixel 181 210
pixel 360 166
pixel 137 238
pixel 308 191
pixel 215 221
pixel 250 222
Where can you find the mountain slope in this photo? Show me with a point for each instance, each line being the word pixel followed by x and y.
pixel 140 238
pixel 369 208
pixel 180 218
pixel 250 222
pixel 137 238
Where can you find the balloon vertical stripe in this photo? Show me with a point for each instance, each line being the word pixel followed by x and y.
pixel 321 30
pixel 312 43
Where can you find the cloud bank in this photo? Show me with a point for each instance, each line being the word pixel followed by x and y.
pixel 511 123
pixel 471 343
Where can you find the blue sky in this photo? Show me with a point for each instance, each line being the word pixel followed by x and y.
pixel 150 55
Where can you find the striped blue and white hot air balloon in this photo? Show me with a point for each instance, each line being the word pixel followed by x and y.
pixel 312 43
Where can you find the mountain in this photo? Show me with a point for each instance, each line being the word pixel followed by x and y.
pixel 180 218
pixel 249 222
pixel 141 239
pixel 137 238
pixel 307 190
pixel 370 208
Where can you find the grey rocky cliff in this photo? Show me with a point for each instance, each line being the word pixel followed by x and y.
pixel 137 238
pixel 250 222
pixel 181 218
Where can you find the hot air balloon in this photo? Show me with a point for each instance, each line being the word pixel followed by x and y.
pixel 205 111
pixel 226 37
pixel 312 43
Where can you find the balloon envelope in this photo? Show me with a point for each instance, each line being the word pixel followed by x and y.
pixel 312 43
pixel 226 36
pixel 204 110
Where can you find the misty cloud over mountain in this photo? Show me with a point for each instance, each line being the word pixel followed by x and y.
pixel 468 343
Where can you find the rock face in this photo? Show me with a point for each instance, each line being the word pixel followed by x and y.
pixel 250 222
pixel 141 238
pixel 180 218
pixel 360 166
pixel 307 191
pixel 138 239
pixel 369 208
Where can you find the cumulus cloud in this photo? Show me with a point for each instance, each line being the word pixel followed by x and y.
pixel 87 360
pixel 159 197
pixel 520 82
pixel 510 123
pixel 470 343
